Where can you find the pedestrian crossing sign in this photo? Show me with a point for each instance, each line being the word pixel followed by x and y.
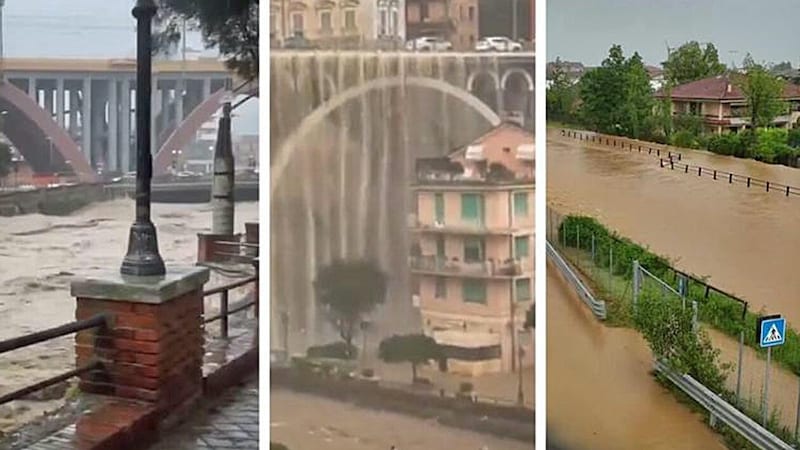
pixel 772 331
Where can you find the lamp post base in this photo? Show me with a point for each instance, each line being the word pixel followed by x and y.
pixel 143 258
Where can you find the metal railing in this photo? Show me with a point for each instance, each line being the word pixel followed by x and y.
pixel 490 267
pixel 730 177
pixel 598 307
pixel 100 321
pixel 619 141
pixel 723 411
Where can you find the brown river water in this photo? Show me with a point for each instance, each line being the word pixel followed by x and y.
pixel 734 235
pixel 39 255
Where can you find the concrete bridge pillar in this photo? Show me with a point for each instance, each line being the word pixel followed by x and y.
pixel 500 101
pixel 60 102
pixel 73 111
pixel 86 123
pixel 165 108
pixel 48 99
pixel 98 118
pixel 206 88
pixel 32 89
pixel 180 90
pixel 113 126
pixel 125 153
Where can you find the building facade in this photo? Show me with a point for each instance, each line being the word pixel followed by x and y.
pixel 453 20
pixel 338 23
pixel 722 106
pixel 472 259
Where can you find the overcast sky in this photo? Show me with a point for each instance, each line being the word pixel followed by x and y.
pixel 583 30
pixel 87 29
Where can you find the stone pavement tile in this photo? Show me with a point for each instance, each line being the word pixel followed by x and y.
pixel 231 422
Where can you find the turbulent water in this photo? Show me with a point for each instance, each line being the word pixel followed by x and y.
pixel 600 394
pixel 338 426
pixel 341 185
pixel 741 238
pixel 39 255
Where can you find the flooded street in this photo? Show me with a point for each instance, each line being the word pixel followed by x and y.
pixel 600 394
pixel 309 422
pixel 39 255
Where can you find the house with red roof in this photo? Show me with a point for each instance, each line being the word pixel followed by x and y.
pixel 723 106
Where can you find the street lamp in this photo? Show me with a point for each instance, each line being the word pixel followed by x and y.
pixel 143 258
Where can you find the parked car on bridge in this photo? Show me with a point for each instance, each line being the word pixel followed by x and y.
pixel 429 44
pixel 497 44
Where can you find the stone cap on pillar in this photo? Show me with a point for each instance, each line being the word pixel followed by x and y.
pixel 151 290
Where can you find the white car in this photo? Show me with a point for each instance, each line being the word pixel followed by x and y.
pixel 497 44
pixel 429 44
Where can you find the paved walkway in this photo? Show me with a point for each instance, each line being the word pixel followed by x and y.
pixel 231 422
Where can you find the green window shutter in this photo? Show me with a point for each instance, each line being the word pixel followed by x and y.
pixel 473 250
pixel 472 208
pixel 522 247
pixel 521 204
pixel 474 291
pixel 440 246
pixel 439 207
pixel 523 288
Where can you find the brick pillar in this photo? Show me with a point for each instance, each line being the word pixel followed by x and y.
pixel 153 350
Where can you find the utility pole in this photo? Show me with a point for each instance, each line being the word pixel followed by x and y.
pixel 223 179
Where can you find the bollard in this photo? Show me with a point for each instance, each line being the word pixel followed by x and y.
pixel 767 186
pixel 671 165
pixel 699 171
pixel 686 169
pixel 730 178
pixel 715 174
pixel 748 181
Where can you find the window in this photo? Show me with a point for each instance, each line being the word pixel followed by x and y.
pixel 523 289
pixel 423 11
pixel 520 204
pixel 522 247
pixel 297 24
pixel 471 13
pixel 441 288
pixel 472 208
pixel 325 21
pixel 474 291
pixel 473 249
pixel 382 30
pixel 439 207
pixel 350 19
pixel 395 25
pixel 461 11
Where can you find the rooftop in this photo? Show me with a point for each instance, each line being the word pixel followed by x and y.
pixel 721 88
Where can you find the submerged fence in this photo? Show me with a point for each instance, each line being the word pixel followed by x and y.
pixel 620 142
pixel 730 177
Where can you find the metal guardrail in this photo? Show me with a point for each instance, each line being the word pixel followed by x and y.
pixel 598 307
pixel 730 177
pixel 97 321
pixel 723 411
pixel 248 253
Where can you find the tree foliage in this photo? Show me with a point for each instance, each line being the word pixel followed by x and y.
pixel 229 25
pixel 691 62
pixel 409 348
pixel 764 93
pixel 561 94
pixel 616 97
pixel 348 290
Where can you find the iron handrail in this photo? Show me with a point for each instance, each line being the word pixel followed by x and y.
pixel 234 310
pixel 21 393
pixel 230 286
pixel 732 177
pixel 224 311
pixel 99 320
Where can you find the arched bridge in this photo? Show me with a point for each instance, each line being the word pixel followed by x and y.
pixel 80 114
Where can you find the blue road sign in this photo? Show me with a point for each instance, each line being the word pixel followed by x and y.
pixel 772 332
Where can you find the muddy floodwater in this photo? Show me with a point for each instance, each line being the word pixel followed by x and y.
pixel 308 422
pixel 39 255
pixel 600 394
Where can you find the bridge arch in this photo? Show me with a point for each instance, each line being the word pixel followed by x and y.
pixel 185 133
pixel 316 116
pixel 517 71
pixel 23 112
pixel 481 73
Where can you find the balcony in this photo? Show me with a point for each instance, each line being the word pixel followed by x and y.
pixel 439 265
pixel 466 228
pixel 442 171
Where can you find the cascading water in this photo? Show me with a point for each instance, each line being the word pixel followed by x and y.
pixel 342 163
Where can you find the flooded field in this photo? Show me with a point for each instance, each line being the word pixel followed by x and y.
pixel 600 394
pixel 308 422
pixel 40 254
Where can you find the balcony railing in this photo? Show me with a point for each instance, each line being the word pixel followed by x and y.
pixel 453 266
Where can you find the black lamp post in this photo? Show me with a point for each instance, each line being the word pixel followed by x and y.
pixel 143 258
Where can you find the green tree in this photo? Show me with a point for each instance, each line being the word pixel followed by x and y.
pixel 348 290
pixel 5 159
pixel 409 348
pixel 230 25
pixel 561 94
pixel 616 97
pixel 764 93
pixel 691 62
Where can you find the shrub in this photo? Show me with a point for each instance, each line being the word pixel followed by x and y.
pixel 794 137
pixel 465 387
pixel 336 350
pixel 685 139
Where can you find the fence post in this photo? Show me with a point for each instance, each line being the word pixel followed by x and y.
pixel 593 248
pixel 636 282
pixel 682 289
pixel 797 419
pixel 223 311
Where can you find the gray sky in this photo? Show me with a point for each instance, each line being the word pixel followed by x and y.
pixel 583 30
pixel 87 29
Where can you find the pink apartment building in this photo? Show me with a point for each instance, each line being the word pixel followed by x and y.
pixel 472 259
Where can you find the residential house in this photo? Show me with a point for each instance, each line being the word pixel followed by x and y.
pixel 453 20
